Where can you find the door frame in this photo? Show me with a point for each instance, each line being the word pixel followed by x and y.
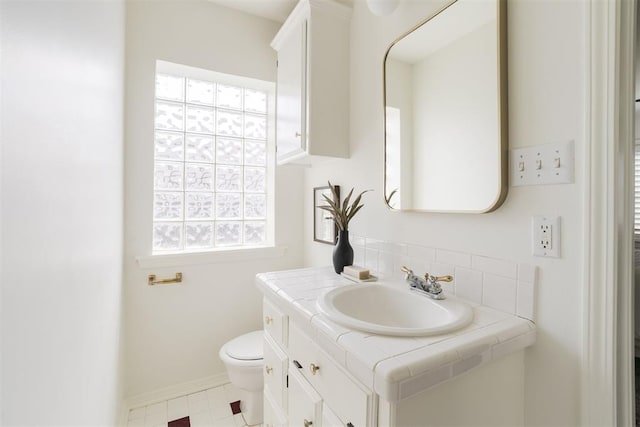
pixel 607 364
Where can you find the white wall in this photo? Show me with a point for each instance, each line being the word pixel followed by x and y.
pixel 546 104
pixel 174 332
pixel 61 173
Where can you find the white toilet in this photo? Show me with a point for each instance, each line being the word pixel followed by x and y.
pixel 243 358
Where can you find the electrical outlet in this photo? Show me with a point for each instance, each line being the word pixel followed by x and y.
pixel 546 236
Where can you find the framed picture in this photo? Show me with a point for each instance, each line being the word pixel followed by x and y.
pixel 324 228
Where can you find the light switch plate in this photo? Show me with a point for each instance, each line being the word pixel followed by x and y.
pixel 542 164
pixel 546 236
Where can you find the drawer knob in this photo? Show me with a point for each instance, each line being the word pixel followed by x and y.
pixel 314 368
pixel 268 369
pixel 298 134
pixel 268 320
pixel 307 423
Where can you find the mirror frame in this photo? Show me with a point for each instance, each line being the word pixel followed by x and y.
pixel 503 111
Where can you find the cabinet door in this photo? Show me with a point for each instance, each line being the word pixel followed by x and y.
pixel 291 95
pixel 275 372
pixel 276 323
pixel 273 416
pixel 305 404
pixel 329 419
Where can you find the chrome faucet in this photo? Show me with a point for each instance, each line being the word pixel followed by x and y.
pixel 428 285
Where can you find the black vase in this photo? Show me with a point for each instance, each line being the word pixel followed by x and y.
pixel 343 252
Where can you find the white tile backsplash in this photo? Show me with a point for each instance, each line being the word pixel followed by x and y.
pixel 441 269
pixel 453 258
pixel 385 264
pixel 527 273
pixel 495 266
pixel 358 255
pixel 371 260
pixel 356 240
pixel 499 292
pixel 468 284
pixel 422 253
pixel 501 284
pixel 525 300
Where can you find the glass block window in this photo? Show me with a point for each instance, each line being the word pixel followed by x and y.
pixel 212 174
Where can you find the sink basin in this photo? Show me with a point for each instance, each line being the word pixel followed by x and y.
pixel 391 310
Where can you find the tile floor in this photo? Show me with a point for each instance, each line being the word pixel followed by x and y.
pixel 208 408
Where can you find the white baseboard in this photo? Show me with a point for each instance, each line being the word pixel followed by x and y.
pixel 171 392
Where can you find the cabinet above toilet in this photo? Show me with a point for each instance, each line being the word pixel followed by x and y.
pixel 312 102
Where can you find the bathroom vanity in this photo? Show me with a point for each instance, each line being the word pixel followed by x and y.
pixel 318 373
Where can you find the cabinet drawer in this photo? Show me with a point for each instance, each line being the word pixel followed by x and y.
pixel 305 404
pixel 273 416
pixel 275 372
pixel 276 323
pixel 344 396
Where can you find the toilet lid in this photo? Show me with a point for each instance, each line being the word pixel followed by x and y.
pixel 246 347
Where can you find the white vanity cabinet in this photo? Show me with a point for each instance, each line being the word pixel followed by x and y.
pixel 312 101
pixel 316 375
pixel 305 386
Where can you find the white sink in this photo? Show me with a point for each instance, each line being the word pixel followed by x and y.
pixel 391 310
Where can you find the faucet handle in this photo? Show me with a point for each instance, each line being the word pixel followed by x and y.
pixel 406 270
pixel 436 279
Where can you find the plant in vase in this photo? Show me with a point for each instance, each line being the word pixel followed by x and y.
pixel 342 215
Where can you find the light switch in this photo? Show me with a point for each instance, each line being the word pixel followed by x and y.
pixel 542 164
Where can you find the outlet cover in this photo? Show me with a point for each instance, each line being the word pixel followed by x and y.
pixel 546 236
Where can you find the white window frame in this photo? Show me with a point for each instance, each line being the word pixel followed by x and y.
pixel 199 255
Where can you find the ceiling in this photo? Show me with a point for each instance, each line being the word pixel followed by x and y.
pixel 276 10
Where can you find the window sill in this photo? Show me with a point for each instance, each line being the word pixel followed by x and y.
pixel 210 257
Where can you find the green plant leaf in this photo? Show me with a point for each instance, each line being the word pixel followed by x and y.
pixel 333 192
pixel 388 199
pixel 345 204
pixel 354 212
pixel 331 203
pixel 345 211
pixel 356 202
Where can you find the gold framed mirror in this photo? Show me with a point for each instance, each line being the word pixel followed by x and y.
pixel 445 99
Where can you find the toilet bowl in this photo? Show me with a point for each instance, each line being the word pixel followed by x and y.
pixel 242 357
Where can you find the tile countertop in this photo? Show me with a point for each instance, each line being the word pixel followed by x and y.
pixel 395 367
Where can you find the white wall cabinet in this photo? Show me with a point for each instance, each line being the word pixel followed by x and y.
pixel 312 102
